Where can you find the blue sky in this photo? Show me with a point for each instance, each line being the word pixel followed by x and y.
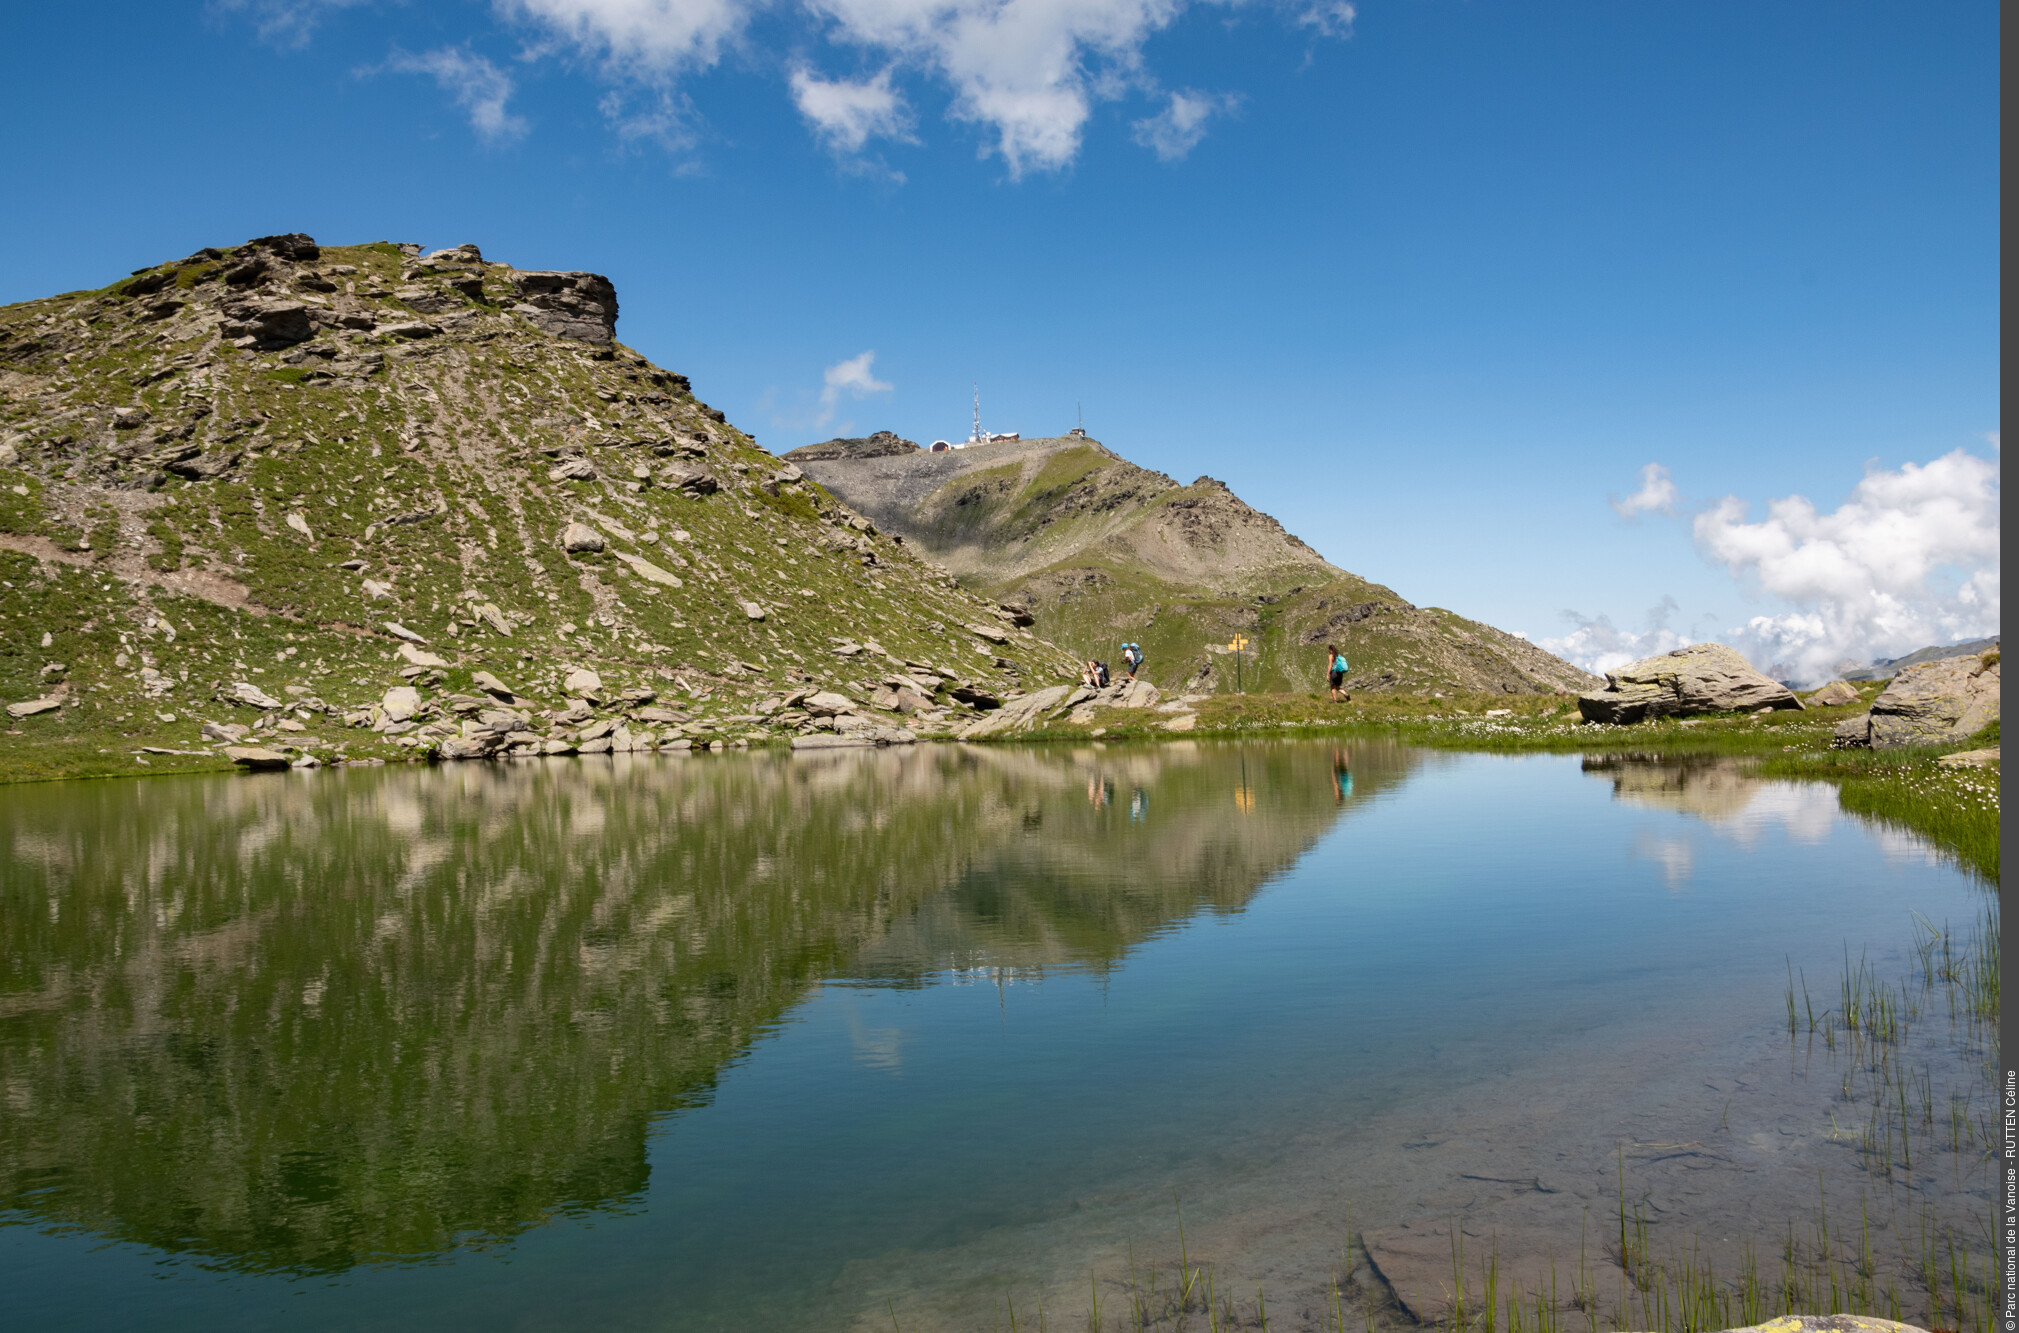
pixel 1433 282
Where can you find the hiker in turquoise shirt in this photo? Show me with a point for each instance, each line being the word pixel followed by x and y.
pixel 1335 672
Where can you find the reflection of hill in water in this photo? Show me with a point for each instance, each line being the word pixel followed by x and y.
pixel 313 1021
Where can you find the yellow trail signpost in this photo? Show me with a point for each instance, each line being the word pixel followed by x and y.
pixel 1234 646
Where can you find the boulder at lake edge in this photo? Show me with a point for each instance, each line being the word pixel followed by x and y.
pixel 1936 703
pixel 1702 678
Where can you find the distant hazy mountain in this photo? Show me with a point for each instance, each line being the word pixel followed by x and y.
pixel 1886 668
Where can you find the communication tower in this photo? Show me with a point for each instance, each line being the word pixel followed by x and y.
pixel 977 437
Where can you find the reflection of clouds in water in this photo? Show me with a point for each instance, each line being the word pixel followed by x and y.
pixel 1804 810
pixel 1726 799
pixel 878 1048
pixel 1675 856
pixel 1903 849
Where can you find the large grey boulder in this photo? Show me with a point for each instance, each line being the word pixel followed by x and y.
pixel 580 306
pixel 1702 678
pixel 1834 695
pixel 1021 714
pixel 1937 703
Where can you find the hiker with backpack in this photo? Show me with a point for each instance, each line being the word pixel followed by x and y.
pixel 1335 672
pixel 1132 653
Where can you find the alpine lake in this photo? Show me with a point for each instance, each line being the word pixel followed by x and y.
pixel 1311 1033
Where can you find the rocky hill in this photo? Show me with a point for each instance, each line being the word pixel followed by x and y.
pixel 346 501
pixel 1096 550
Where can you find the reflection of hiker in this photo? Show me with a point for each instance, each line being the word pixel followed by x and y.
pixel 1099 792
pixel 1342 775
pixel 1335 672
pixel 1132 653
pixel 1139 805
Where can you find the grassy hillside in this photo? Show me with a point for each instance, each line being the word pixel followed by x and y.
pixel 240 468
pixel 1097 551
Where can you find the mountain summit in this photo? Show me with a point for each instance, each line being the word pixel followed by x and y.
pixel 1098 550
pixel 338 500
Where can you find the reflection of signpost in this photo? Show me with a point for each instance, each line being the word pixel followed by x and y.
pixel 1235 646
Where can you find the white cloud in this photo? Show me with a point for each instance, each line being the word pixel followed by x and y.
pixel 1599 646
pixel 1657 494
pixel 648 39
pixel 1177 129
pixel 852 377
pixel 476 85
pixel 1029 70
pixel 1909 560
pixel 848 115
pixel 1328 18
pixel 284 22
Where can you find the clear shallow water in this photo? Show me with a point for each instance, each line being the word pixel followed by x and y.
pixel 772 1042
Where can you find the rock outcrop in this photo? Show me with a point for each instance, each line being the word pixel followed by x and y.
pixel 1937 703
pixel 882 444
pixel 580 306
pixel 1834 695
pixel 268 325
pixel 1702 678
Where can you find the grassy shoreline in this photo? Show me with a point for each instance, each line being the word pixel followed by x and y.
pixel 1956 809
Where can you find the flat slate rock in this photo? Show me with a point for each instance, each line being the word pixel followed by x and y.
pixel 256 757
pixel 824 741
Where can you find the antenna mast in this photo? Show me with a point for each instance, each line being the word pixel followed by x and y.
pixel 979 438
pixel 1079 417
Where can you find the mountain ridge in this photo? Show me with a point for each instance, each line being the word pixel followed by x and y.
pixel 1096 548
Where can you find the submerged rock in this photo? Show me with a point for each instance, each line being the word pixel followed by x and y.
pixel 1702 678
